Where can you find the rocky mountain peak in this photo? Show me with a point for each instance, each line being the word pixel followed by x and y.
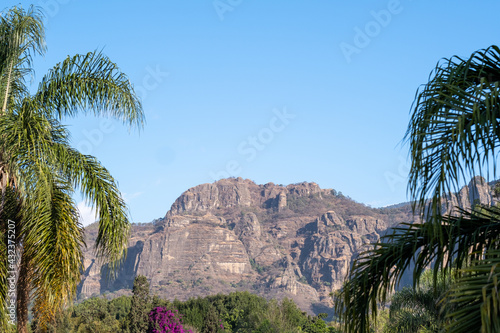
pixel 238 192
pixel 297 241
pixel 478 191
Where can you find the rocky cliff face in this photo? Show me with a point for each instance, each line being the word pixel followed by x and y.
pixel 477 192
pixel 296 241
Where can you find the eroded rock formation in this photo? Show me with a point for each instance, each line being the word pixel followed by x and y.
pixel 297 241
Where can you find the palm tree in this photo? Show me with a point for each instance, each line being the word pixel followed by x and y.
pixel 453 134
pixel 39 170
pixel 418 309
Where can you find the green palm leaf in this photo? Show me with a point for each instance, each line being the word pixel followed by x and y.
pixel 476 296
pixel 453 136
pixel 43 171
pixel 453 132
pixel 22 36
pixel 54 232
pixel 376 273
pixel 100 189
pixel 89 83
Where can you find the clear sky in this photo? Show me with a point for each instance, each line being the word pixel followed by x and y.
pixel 280 91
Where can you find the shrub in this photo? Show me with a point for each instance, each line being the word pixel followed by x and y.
pixel 162 320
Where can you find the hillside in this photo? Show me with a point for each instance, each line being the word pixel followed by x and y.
pixel 296 241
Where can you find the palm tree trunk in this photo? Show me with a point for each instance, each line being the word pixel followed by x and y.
pixel 3 179
pixel 3 186
pixel 23 295
pixel 6 96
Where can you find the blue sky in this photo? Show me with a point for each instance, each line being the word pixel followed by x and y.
pixel 273 91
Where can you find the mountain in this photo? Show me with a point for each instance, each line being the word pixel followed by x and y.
pixel 294 241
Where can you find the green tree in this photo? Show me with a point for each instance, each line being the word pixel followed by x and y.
pixel 120 308
pixel 246 312
pixel 140 306
pixel 418 309
pixel 409 312
pixel 42 170
pixel 453 136
pixel 95 315
pixel 212 323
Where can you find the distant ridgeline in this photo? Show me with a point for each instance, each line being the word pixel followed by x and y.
pixel 294 241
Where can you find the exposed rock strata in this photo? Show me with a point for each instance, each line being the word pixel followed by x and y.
pixel 297 241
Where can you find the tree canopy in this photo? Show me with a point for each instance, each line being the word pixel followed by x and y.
pixel 40 171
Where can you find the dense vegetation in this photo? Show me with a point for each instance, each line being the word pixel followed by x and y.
pixel 235 312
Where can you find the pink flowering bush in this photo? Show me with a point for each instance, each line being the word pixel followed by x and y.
pixel 162 320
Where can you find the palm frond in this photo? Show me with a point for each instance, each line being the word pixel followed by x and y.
pixel 53 241
pixel 22 35
pixel 47 170
pixel 417 299
pixel 476 296
pixel 377 272
pixel 100 189
pixel 37 161
pixel 453 132
pixel 408 321
pixel 89 83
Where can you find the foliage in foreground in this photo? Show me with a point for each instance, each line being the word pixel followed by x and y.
pixel 418 310
pixel 453 135
pixel 235 312
pixel 41 171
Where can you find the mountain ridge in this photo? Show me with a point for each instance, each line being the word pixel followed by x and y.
pixel 294 241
